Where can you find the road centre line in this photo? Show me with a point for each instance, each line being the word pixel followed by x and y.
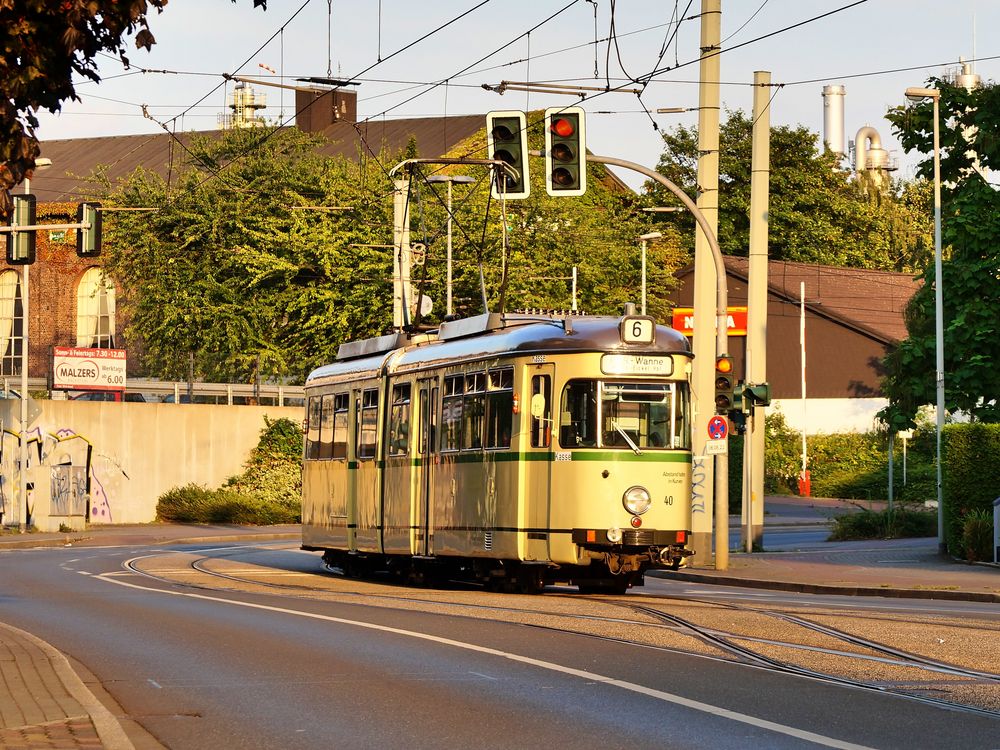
pixel 550 666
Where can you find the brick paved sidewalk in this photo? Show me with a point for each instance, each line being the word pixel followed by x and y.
pixel 44 704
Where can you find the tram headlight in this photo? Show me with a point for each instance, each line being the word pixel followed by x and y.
pixel 614 535
pixel 637 500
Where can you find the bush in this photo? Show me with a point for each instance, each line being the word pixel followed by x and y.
pixel 269 490
pixel 899 523
pixel 977 535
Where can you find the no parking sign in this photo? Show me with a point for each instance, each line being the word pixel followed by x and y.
pixel 718 428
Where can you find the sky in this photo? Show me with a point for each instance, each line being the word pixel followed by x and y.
pixel 855 44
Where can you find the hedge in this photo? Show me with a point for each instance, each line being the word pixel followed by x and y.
pixel 970 480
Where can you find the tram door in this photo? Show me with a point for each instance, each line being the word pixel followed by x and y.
pixel 538 467
pixel 424 475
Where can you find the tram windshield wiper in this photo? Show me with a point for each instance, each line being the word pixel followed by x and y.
pixel 631 443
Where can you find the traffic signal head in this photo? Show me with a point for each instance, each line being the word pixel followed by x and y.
pixel 507 141
pixel 565 151
pixel 759 394
pixel 724 384
pixel 21 246
pixel 88 241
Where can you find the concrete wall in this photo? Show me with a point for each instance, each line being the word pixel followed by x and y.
pixel 136 451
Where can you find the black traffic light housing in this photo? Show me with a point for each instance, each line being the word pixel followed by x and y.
pixel 88 241
pixel 565 151
pixel 21 246
pixel 507 140
pixel 725 384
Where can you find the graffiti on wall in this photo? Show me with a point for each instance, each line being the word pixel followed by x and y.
pixel 81 483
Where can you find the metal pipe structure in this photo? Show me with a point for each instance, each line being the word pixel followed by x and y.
pixel 916 94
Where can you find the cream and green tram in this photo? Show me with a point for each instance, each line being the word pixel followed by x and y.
pixel 517 450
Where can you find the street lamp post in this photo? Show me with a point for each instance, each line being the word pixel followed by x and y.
pixel 916 94
pixel 449 179
pixel 644 239
pixel 41 163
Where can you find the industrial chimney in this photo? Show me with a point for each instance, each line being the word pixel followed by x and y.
pixel 833 119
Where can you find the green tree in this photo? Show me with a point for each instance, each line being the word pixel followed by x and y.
pixel 45 43
pixel 247 268
pixel 970 224
pixel 817 214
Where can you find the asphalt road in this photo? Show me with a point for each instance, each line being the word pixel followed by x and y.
pixel 202 668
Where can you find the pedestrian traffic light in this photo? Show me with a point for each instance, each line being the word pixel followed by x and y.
pixel 565 151
pixel 507 140
pixel 88 241
pixel 724 384
pixel 21 245
pixel 756 395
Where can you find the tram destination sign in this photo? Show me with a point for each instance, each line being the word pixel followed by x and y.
pixel 86 369
pixel 637 364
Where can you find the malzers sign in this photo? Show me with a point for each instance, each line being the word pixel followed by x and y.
pixel 83 369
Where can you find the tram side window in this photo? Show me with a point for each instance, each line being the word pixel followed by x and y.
pixel 578 415
pixel 312 435
pixel 451 412
pixel 326 429
pixel 681 437
pixel 474 411
pixel 399 420
pixel 340 407
pixel 541 429
pixel 499 407
pixel 367 423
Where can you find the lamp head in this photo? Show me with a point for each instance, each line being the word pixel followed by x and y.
pixel 916 94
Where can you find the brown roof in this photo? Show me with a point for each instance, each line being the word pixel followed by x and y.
pixel 872 300
pixel 75 159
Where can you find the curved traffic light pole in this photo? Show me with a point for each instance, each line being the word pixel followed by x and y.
pixel 721 340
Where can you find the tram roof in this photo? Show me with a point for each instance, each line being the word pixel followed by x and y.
pixel 514 335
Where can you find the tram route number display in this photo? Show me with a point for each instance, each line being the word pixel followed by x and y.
pixel 88 369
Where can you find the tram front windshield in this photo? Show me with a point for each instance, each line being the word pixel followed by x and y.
pixel 624 415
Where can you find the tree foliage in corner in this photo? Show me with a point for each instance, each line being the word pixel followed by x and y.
pixel 45 43
pixel 816 214
pixel 970 225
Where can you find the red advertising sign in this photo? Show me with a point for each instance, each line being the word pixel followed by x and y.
pixel 737 320
pixel 85 369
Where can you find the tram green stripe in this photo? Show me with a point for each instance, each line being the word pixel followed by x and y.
pixel 659 457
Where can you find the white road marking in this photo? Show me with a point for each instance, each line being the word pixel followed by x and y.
pixel 547 665
pixel 154 683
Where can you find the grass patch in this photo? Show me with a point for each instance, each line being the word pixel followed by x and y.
pixel 898 523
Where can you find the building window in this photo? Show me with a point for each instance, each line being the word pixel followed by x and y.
pixel 95 311
pixel 11 323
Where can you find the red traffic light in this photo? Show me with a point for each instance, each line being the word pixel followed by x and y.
pixel 724 364
pixel 562 127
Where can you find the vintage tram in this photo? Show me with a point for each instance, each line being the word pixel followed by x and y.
pixel 513 449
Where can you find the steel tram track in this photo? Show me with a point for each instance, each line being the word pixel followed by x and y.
pixel 717 639
pixel 721 640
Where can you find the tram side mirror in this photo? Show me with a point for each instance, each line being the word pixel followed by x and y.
pixel 538 406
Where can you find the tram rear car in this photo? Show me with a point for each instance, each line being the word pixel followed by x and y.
pixel 515 450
